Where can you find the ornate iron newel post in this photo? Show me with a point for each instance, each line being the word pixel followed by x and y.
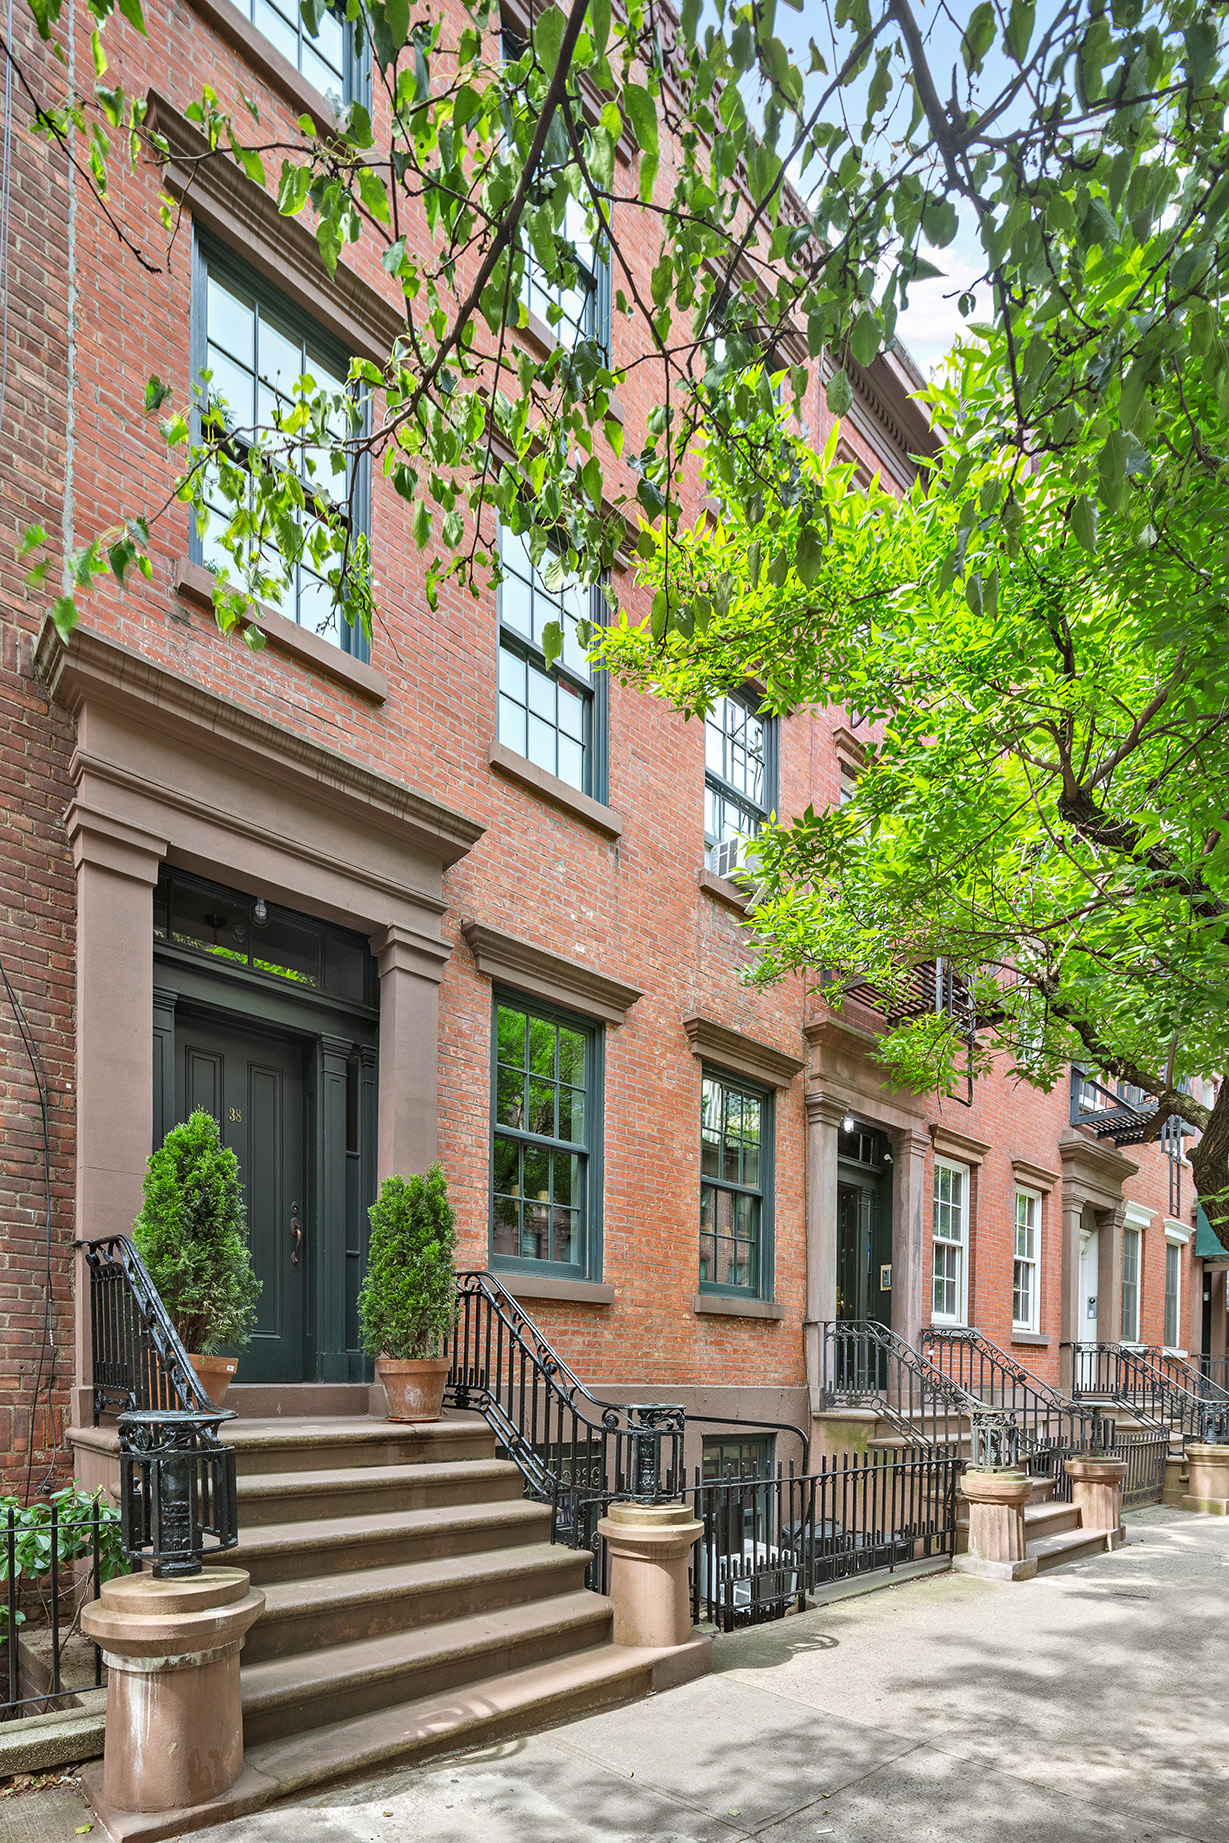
pixel 177 1487
pixel 652 1426
pixel 996 1442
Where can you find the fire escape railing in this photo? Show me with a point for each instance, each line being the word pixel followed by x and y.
pixel 1132 1379
pixel 1045 1419
pixel 575 1451
pixel 177 1477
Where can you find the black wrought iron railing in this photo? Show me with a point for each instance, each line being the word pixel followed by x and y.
pixel 139 1361
pixel 177 1477
pixel 1119 1373
pixel 54 1556
pixel 768 1542
pixel 1215 1370
pixel 1190 1376
pixel 865 1365
pixel 1145 1454
pixel 575 1451
pixel 1042 1416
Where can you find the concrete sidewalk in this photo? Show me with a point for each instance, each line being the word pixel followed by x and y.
pixel 1088 1703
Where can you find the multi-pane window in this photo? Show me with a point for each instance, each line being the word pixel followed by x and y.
pixel 1025 1300
pixel 256 347
pixel 571 309
pixel 735 1177
pixel 326 57
pixel 1129 1324
pixel 950 1231
pixel 735 1515
pixel 544 1136
pixel 546 713
pixel 739 772
pixel 849 784
pixel 1173 1290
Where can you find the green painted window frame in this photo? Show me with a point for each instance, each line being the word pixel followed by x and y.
pixel 209 256
pixel 590 1150
pixel 355 72
pixel 761 1286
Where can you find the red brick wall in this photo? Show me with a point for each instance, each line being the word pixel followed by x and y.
pixel 631 908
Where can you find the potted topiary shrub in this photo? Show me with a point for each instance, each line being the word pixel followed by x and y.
pixel 192 1236
pixel 408 1302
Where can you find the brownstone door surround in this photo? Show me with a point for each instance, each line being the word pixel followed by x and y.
pixel 165 770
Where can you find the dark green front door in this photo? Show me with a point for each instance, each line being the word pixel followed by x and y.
pixel 864 1246
pixel 254 1086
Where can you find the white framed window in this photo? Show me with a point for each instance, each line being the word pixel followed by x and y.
pixel 949 1304
pixel 1129 1319
pixel 1026 1272
pixel 1173 1295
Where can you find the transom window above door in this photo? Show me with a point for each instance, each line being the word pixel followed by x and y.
pixel 256 345
pixel 739 779
pixel 546 1139
pixel 251 935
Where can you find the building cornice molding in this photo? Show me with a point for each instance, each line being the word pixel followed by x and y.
pixel 1035 1177
pixel 508 960
pixel 742 1055
pixel 1093 1173
pixel 92 668
pixel 950 1144
pixel 221 197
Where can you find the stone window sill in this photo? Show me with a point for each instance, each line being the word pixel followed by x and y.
pixel 193 583
pixel 506 761
pixel 567 1292
pixel 277 70
pixel 722 1305
pixel 1037 1338
pixel 722 890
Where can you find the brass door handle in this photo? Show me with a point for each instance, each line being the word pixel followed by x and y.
pixel 297 1233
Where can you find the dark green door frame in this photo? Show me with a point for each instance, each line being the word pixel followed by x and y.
pixel 340 1049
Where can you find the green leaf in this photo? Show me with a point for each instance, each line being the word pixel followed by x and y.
pixel 1201 48
pixel 1020 22
pixel 156 393
pixel 599 22
pixel 548 37
pixel 939 222
pixel 651 497
pixel 840 393
pixel 131 10
pixel 809 555
pixel 64 614
pixel 552 641
pixel 1084 523
pixel 865 337
pixel 978 37
pixel 641 111
pixel 422 524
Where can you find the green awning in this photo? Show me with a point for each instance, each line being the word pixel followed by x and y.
pixel 1208 1247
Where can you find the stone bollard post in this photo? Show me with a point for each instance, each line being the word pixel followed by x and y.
pixel 996 1526
pixel 174 1733
pixel 648 1546
pixel 1207 1487
pixel 1096 1491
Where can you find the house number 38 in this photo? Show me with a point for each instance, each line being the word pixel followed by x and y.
pixel 233 1113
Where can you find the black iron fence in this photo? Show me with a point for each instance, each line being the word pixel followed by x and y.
pixel 1145 1454
pixel 54 1557
pixel 768 1542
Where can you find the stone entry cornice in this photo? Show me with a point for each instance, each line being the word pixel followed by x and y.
pixel 93 669
pixel 741 1054
pixel 1093 1173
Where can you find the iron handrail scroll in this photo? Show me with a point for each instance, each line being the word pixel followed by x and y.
pixel 1042 1417
pixel 575 1451
pixel 1130 1377
pixel 865 1364
pixel 139 1360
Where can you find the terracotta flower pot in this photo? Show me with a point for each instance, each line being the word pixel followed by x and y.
pixel 413 1390
pixel 214 1374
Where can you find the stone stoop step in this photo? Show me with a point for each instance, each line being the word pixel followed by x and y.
pixel 414 1604
pixel 1068 1545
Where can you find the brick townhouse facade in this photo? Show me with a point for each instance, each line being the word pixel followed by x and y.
pixel 371 905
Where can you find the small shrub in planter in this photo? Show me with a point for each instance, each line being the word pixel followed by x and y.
pixel 408 1302
pixel 192 1236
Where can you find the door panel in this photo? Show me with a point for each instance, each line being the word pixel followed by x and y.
pixel 253 1085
